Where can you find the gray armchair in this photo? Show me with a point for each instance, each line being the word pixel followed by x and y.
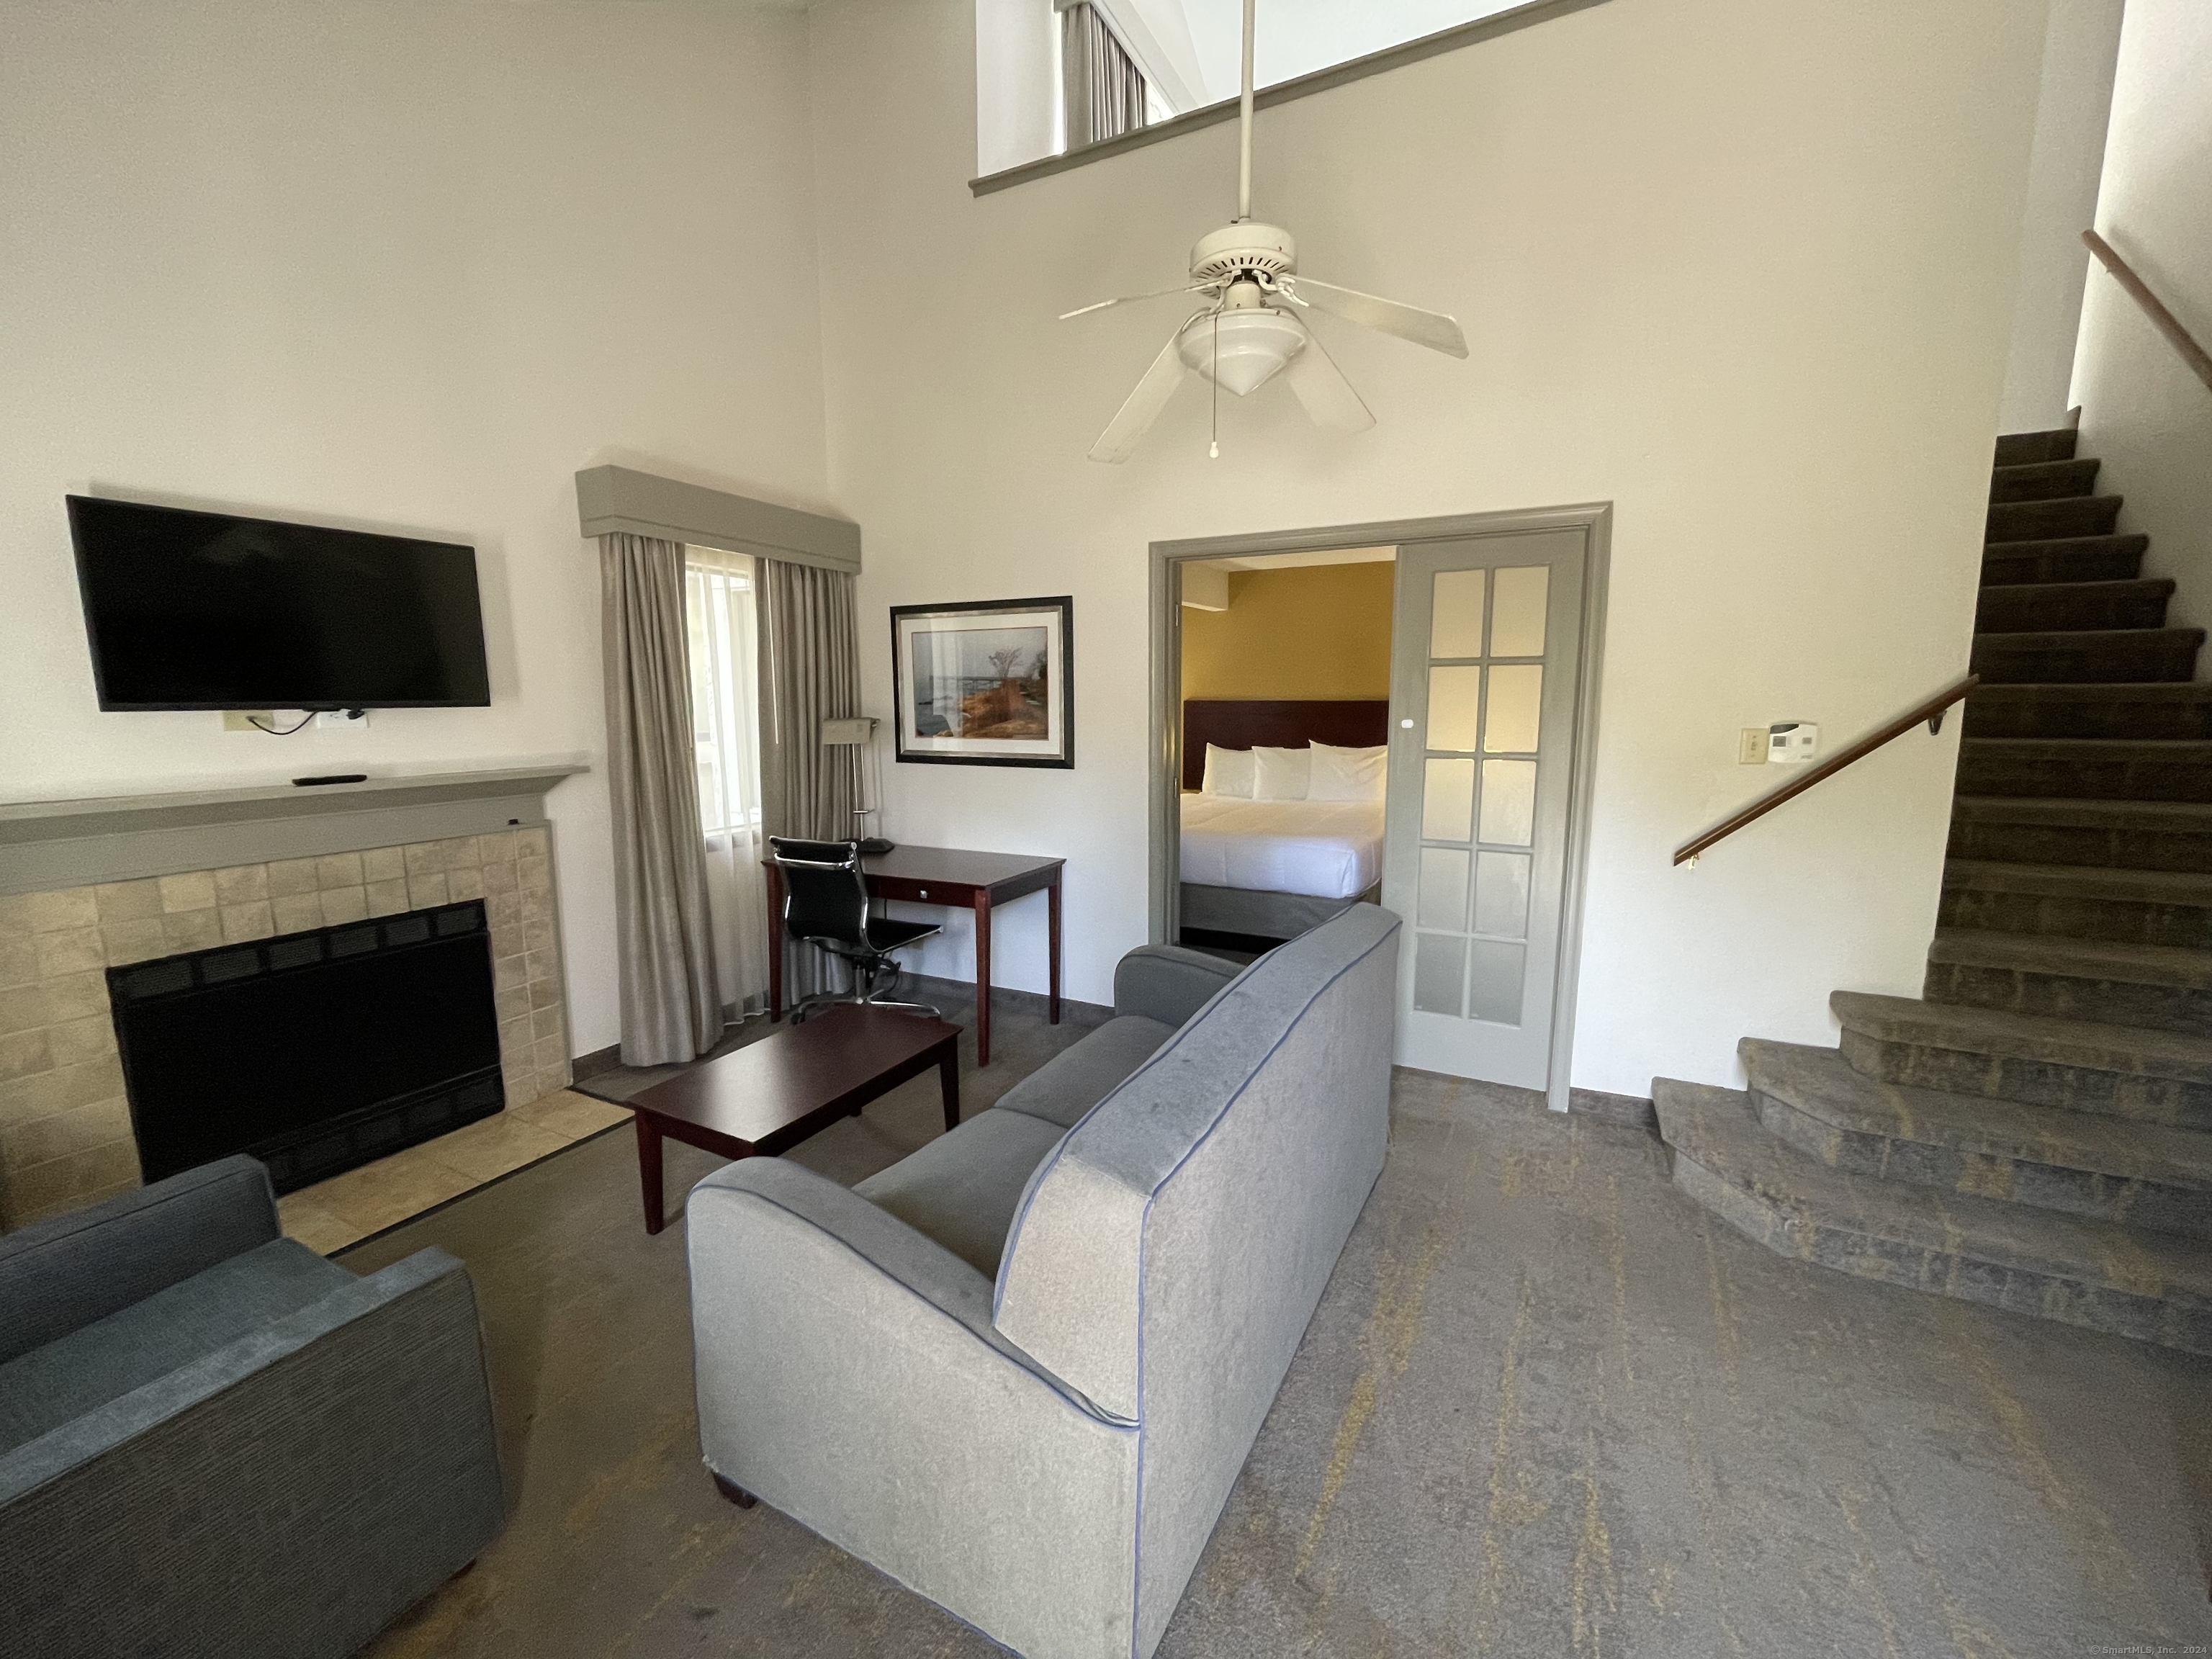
pixel 213 1440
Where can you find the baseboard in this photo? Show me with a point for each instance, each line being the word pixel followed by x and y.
pixel 953 994
pixel 1619 1109
pixel 598 1061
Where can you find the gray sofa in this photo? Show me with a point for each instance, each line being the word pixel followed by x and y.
pixel 1020 1371
pixel 213 1441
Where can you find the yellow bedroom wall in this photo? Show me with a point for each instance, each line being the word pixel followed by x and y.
pixel 1314 631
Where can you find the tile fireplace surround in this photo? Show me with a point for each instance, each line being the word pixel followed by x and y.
pixel 65 1135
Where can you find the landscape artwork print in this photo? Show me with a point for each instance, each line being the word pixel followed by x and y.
pixel 984 684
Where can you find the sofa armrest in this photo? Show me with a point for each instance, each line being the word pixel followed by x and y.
pixel 289 1493
pixel 1169 983
pixel 848 1375
pixel 58 1276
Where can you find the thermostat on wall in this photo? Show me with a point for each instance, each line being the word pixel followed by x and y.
pixel 1791 742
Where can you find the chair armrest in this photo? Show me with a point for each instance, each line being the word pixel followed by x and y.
pixel 291 1492
pixel 1169 983
pixel 58 1276
pixel 848 1375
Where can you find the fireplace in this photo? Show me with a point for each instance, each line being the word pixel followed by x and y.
pixel 315 1052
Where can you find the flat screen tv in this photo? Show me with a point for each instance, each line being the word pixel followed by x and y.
pixel 206 610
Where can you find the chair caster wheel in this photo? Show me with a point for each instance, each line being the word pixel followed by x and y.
pixel 736 1493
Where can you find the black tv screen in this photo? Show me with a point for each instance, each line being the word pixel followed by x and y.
pixel 206 610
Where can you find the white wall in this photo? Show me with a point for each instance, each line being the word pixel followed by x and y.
pixel 2080 45
pixel 2142 412
pixel 408 264
pixel 1742 267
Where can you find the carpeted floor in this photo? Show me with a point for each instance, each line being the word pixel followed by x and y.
pixel 1548 1406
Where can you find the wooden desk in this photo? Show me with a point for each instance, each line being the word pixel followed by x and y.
pixel 957 879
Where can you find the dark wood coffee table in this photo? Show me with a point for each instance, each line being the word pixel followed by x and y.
pixel 766 1097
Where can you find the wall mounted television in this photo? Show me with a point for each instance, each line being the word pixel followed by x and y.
pixel 190 610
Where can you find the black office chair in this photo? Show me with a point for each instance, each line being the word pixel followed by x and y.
pixel 826 903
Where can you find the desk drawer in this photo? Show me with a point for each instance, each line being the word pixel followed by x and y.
pixel 921 892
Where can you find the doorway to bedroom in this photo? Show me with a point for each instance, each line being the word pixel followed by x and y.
pixel 1285 720
pixel 1401 714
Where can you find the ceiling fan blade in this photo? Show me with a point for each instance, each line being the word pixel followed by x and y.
pixel 1327 396
pixel 1431 329
pixel 1131 299
pixel 1143 407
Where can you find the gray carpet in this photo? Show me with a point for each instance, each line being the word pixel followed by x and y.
pixel 1548 1406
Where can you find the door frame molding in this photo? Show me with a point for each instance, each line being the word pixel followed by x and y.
pixel 1164 814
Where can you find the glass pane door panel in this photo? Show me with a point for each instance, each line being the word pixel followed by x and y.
pixel 1509 802
pixel 1516 698
pixel 1455 705
pixel 1443 891
pixel 1517 622
pixel 1448 800
pixel 1455 625
pixel 1501 892
pixel 1439 966
pixel 1495 993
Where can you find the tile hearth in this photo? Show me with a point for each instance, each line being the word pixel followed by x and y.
pixel 65 1134
pixel 347 1208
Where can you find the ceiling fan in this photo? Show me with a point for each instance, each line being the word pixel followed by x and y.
pixel 1250 330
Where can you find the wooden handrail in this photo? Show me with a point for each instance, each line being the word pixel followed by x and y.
pixel 1932 712
pixel 2162 320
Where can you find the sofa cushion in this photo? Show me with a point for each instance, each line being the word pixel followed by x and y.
pixel 54 1384
pixel 960 1189
pixel 1075 1079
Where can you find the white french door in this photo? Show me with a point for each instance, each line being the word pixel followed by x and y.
pixel 1485 659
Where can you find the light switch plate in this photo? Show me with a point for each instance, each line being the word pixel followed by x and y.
pixel 1750 747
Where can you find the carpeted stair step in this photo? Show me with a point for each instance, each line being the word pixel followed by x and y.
pixel 2171 709
pixel 2129 834
pixel 2067 559
pixel 2058 607
pixel 2119 1071
pixel 2042 481
pixel 2079 901
pixel 2019 448
pixel 2128 1281
pixel 2035 521
pixel 2115 655
pixel 2147 1174
pixel 2098 769
pixel 2159 987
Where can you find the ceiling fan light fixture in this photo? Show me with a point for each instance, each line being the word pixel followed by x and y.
pixel 1251 348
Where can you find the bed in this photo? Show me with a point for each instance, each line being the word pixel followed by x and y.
pixel 1265 870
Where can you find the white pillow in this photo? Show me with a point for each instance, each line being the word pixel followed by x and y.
pixel 1280 774
pixel 1347 773
pixel 1228 772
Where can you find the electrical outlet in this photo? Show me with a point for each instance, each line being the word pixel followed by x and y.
pixel 1750 747
pixel 241 719
pixel 348 719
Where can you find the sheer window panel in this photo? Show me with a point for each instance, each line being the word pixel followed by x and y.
pixel 722 619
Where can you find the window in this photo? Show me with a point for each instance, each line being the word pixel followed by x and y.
pixel 723 623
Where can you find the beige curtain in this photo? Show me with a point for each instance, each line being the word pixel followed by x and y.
pixel 810 673
pixel 1101 89
pixel 671 1008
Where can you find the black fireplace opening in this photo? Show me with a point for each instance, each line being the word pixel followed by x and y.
pixel 314 1052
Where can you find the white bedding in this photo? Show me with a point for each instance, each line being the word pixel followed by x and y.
pixel 1324 849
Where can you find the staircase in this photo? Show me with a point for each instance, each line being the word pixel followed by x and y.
pixel 2037 1133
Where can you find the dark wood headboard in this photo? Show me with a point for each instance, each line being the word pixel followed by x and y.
pixel 1345 723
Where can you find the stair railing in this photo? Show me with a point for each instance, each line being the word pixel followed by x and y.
pixel 2162 320
pixel 1930 711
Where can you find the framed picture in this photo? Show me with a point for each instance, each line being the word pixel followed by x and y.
pixel 985 684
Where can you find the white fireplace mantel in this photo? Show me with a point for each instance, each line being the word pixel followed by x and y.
pixel 50 844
